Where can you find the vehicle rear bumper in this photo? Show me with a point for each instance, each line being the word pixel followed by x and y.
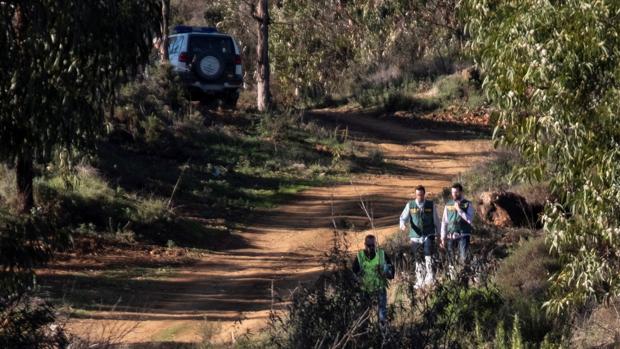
pixel 190 81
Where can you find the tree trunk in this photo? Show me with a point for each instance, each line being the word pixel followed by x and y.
pixel 165 19
pixel 24 174
pixel 23 169
pixel 262 49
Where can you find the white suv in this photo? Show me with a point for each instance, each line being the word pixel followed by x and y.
pixel 208 62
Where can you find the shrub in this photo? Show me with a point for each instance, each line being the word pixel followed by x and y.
pixel 329 311
pixel 526 271
pixel 28 322
pixel 495 174
pixel 147 106
pixel 83 199
pixel 522 279
pixel 454 311
pixel 26 242
pixel 458 89
pixel 564 120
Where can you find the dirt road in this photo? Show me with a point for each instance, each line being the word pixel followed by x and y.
pixel 233 289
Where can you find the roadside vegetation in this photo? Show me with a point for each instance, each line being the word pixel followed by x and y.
pixel 117 162
pixel 167 181
pixel 498 303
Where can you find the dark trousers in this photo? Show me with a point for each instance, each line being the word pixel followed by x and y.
pixel 424 249
pixel 382 311
pixel 378 299
pixel 462 243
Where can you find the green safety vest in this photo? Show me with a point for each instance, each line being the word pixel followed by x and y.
pixel 372 280
pixel 422 223
pixel 456 224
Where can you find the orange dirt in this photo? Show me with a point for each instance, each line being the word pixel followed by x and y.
pixel 233 289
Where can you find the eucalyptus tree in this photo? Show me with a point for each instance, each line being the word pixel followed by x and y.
pixel 321 45
pixel 553 70
pixel 60 62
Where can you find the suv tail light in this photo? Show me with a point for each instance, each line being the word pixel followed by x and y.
pixel 184 57
pixel 237 59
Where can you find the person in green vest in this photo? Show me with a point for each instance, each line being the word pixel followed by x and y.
pixel 456 224
pixel 374 268
pixel 421 216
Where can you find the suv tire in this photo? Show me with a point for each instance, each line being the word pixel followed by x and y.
pixel 208 66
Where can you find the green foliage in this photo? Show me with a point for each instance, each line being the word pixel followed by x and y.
pixel 456 310
pixel 393 98
pixel 147 107
pixel 323 42
pixel 328 311
pixel 495 174
pixel 26 242
pixel 83 202
pixel 60 64
pixel 525 272
pixel 500 341
pixel 321 47
pixel 455 90
pixel 553 71
pixel 515 339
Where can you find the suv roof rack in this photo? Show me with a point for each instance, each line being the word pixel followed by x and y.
pixel 189 29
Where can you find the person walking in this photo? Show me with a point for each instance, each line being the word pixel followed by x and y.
pixel 374 268
pixel 421 215
pixel 456 225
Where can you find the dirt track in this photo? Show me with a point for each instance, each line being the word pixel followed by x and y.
pixel 232 289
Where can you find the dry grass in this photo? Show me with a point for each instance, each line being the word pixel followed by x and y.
pixel 600 328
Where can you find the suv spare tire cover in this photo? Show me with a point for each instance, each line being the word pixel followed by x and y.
pixel 209 66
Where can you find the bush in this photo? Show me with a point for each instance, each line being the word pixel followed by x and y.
pixel 330 311
pixel 526 271
pixel 564 120
pixel 459 89
pixel 376 157
pixel 26 242
pixel 456 314
pixel 523 279
pixel 28 322
pixel 393 97
pixel 146 107
pixel 83 202
pixel 495 174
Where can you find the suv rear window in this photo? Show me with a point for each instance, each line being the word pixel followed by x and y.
pixel 204 43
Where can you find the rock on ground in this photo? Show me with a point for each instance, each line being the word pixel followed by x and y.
pixel 506 209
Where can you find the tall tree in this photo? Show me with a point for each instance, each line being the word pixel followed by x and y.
pixel 60 62
pixel 553 70
pixel 262 52
pixel 165 29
